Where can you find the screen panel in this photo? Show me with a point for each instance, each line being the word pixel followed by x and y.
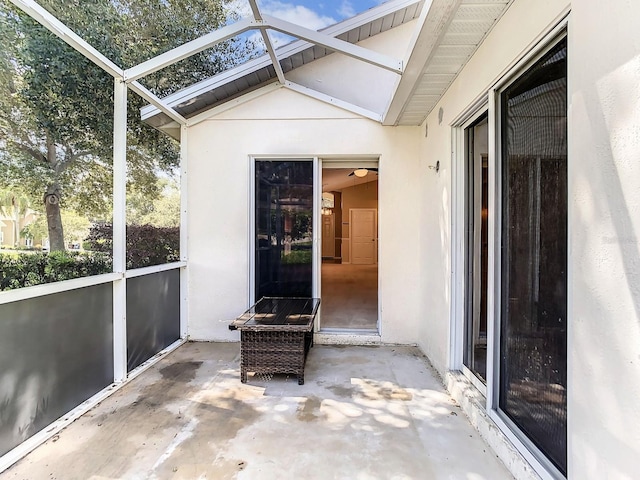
pixel 56 351
pixel 153 315
pixel 533 331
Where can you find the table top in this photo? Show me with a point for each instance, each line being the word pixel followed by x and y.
pixel 279 313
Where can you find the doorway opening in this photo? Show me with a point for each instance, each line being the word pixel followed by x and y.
pixel 349 268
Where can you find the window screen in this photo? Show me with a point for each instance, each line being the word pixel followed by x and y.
pixel 533 328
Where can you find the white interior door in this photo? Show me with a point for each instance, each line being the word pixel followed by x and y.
pixel 363 236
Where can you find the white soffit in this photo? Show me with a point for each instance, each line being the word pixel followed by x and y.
pixel 451 33
pixel 259 72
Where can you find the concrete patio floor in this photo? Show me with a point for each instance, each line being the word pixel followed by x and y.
pixel 364 413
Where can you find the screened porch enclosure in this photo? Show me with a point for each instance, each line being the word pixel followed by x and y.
pixel 170 168
pixel 70 339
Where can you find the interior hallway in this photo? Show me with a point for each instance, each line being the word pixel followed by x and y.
pixel 349 296
pixel 363 413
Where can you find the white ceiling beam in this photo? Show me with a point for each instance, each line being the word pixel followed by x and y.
pixel 255 10
pixel 157 102
pixel 337 45
pixel 272 54
pixel 55 26
pixel 244 98
pixel 350 107
pixel 434 23
pixel 267 42
pixel 188 49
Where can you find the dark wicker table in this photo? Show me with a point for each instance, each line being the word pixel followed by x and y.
pixel 276 334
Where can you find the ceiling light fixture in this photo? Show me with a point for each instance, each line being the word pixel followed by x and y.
pixel 361 172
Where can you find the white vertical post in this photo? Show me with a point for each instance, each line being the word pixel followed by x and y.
pixel 184 233
pixel 119 230
pixel 251 284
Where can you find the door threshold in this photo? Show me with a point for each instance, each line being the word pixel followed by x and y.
pixel 340 336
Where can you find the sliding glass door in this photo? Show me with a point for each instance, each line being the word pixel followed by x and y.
pixel 533 265
pixel 476 241
pixel 283 228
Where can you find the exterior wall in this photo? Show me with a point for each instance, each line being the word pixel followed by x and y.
pixel 604 229
pixel 8 230
pixel 219 151
pixel 415 267
pixel 604 218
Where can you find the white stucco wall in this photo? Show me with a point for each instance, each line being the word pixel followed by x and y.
pixel 604 218
pixel 604 269
pixel 219 151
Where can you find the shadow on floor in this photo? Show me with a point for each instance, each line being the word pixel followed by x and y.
pixel 364 413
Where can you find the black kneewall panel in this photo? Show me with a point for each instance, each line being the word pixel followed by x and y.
pixel 56 351
pixel 153 315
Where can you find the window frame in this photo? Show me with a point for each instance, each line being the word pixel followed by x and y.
pixel 460 245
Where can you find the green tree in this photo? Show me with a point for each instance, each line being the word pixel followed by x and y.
pixel 162 210
pixel 56 107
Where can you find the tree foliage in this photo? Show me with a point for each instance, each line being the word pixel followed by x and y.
pixel 162 210
pixel 56 107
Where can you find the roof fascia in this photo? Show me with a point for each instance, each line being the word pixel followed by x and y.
pixel 282 52
pixel 335 44
pixel 188 49
pixel 55 26
pixel 309 92
pixel 434 23
pixel 242 99
pixel 336 102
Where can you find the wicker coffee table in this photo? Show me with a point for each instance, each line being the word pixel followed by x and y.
pixel 276 334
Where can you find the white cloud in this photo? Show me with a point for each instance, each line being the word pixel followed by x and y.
pixel 346 9
pixel 298 14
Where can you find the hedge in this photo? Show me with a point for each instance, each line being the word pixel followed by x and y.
pixel 146 245
pixel 28 269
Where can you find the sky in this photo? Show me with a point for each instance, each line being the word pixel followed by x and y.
pixel 307 13
pixel 316 14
